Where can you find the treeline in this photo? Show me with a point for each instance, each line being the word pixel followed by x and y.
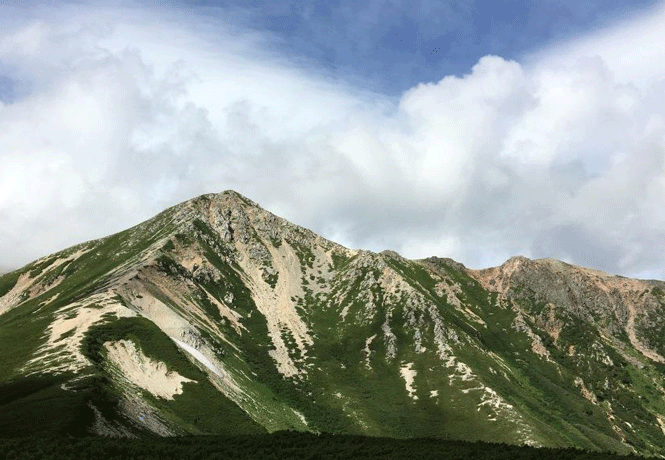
pixel 281 445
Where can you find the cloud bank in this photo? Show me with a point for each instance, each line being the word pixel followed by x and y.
pixel 109 115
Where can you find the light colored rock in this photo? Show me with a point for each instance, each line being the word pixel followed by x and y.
pixel 143 371
pixel 62 350
pixel 409 374
pixel 276 304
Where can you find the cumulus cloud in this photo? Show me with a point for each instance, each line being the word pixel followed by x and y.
pixel 559 156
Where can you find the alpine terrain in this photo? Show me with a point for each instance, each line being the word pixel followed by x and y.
pixel 219 317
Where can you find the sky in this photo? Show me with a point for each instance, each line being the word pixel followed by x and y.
pixel 475 130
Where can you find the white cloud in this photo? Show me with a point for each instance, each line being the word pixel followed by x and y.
pixel 632 50
pixel 562 156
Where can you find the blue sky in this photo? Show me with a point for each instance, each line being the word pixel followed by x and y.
pixel 391 46
pixel 535 128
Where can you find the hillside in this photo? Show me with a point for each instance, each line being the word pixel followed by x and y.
pixel 218 317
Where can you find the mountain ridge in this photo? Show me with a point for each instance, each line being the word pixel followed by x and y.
pixel 231 309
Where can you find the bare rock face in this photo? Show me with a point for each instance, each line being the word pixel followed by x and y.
pixel 216 306
pixel 446 261
pixel 613 302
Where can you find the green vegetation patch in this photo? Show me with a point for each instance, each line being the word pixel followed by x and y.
pixel 183 239
pixel 8 281
pixel 654 334
pixel 38 268
pixel 285 445
pixel 22 332
pixel 38 406
pixel 305 254
pixel 170 266
pixel 474 293
pixel 92 268
pixel 416 275
pixel 168 246
pixel 200 406
pixel 272 279
pixel 340 260
pixel 210 308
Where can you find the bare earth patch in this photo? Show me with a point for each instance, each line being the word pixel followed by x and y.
pixel 12 298
pixel 62 350
pixel 409 374
pixel 276 304
pixel 144 372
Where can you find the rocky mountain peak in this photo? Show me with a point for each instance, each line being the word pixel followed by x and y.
pixel 226 203
pixel 515 262
pixel 446 261
pixel 391 254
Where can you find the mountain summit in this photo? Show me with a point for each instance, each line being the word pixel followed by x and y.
pixel 216 316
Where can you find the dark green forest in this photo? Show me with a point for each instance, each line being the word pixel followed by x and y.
pixel 280 445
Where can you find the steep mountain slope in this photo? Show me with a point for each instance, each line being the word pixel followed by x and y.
pixel 219 317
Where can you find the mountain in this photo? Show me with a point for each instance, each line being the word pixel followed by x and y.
pixel 218 317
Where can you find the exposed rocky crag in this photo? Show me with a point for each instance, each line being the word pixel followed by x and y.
pixel 217 316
